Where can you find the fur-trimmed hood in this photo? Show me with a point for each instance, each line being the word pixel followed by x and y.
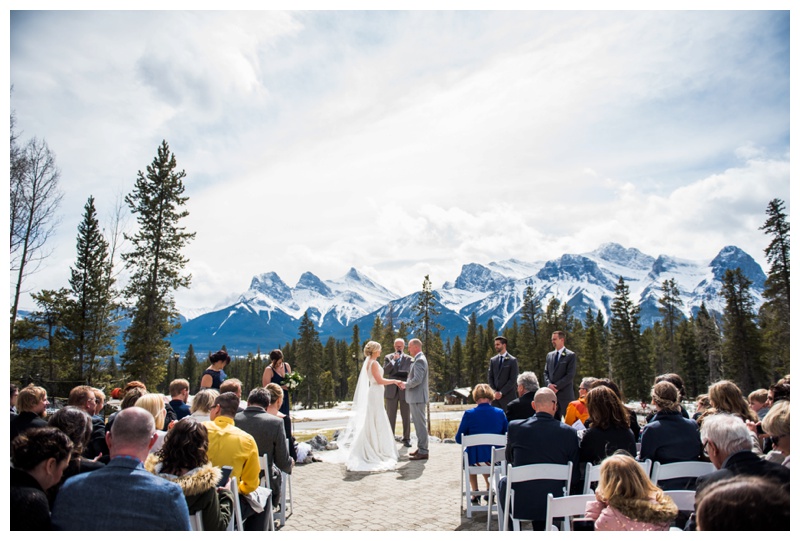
pixel 193 482
pixel 651 511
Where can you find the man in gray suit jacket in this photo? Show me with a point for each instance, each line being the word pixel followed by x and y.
pixel 270 436
pixel 396 366
pixel 559 371
pixel 417 398
pixel 503 372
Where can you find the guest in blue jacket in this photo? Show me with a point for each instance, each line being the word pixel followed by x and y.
pixel 482 419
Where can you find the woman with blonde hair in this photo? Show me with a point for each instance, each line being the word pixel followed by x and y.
pixel 202 403
pixel 154 403
pixel 626 499
pixel 726 397
pixel 482 419
pixel 367 444
pixel 275 400
pixel 776 425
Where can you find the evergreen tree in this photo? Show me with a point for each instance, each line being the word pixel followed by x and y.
pixel 709 343
pixel 91 315
pixel 425 325
pixel 530 333
pixel 593 362
pixel 377 329
pixel 630 372
pixel 693 372
pixel 603 337
pixel 155 263
pixel 353 361
pixel 741 346
pixel 473 353
pixel 191 370
pixel 670 308
pixel 774 314
pixel 307 357
pixel 458 362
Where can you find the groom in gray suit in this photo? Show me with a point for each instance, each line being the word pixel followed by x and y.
pixel 417 398
pixel 396 365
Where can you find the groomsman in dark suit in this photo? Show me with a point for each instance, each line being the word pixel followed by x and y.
pixel 396 366
pixel 503 372
pixel 559 371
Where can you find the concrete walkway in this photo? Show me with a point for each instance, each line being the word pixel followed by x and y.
pixel 418 495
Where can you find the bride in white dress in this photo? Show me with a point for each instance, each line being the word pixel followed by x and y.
pixel 367 444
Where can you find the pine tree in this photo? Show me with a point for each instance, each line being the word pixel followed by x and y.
pixel 92 311
pixel 531 315
pixel 475 373
pixel 425 325
pixel 593 362
pixel 670 308
pixel 458 362
pixel 155 263
pixel 307 357
pixel 693 372
pixel 709 342
pixel 191 370
pixel 354 356
pixel 774 314
pixel 630 372
pixel 741 345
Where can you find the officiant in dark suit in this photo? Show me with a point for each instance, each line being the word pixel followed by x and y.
pixel 396 366
pixel 503 372
pixel 559 371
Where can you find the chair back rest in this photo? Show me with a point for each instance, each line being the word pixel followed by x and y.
pixel 499 440
pixel 565 507
pixel 684 499
pixel 647 466
pixel 236 519
pixel 531 472
pixel 196 521
pixel 675 470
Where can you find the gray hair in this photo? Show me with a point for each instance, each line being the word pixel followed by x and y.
pixel 529 382
pixel 133 426
pixel 727 432
pixel 586 383
pixel 259 397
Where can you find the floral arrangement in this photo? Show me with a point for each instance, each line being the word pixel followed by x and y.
pixel 293 381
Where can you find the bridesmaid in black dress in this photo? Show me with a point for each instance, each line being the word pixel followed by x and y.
pixel 275 373
pixel 214 375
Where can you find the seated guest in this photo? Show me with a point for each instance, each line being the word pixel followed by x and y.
pixel 154 404
pixel 83 397
pixel 576 410
pixel 482 419
pixel 100 403
pixel 777 392
pixel 776 426
pixel 541 439
pixel 129 399
pixel 31 405
pixel 743 503
pixel 677 381
pixel 634 421
pixel 232 446
pixel 77 425
pixel 609 431
pixel 179 391
pixel 183 459
pixel 757 400
pixel 202 403
pixel 726 397
pixel 232 385
pixel 670 437
pixel 702 405
pixel 269 433
pixel 275 407
pixel 40 456
pixel 14 395
pixel 626 499
pixel 125 496
pixel 522 407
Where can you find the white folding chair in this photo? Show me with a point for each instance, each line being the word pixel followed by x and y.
pixel 497 470
pixel 286 494
pixel 237 508
pixel 264 463
pixel 498 440
pixel 684 499
pixel 196 521
pixel 592 474
pixel 565 507
pixel 677 470
pixel 532 472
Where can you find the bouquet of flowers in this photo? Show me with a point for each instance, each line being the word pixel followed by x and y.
pixel 293 381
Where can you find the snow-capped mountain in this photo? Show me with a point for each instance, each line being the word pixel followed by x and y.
pixel 267 315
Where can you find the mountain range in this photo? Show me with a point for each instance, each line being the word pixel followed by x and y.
pixel 268 314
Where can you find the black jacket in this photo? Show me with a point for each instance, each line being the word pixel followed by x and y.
pixel 29 507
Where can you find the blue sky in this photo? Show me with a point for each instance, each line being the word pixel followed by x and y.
pixel 410 143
